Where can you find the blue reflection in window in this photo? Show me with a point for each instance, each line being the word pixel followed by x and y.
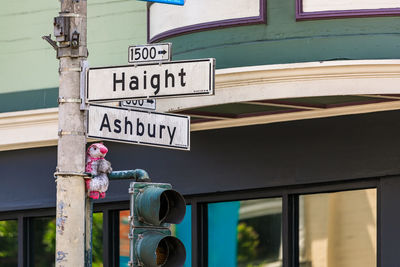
pixel 223 220
pixel 184 233
pixel 245 233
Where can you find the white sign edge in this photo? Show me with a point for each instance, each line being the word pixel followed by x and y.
pixel 139 143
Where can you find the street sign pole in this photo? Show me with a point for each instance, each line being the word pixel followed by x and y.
pixel 70 32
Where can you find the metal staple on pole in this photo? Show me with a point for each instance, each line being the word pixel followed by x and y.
pixel 66 173
pixel 69 100
pixel 71 15
pixel 69 69
pixel 77 133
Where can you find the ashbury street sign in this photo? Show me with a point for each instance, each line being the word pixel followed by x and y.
pixel 138 127
pixel 168 79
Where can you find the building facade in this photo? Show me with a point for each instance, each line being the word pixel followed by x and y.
pixel 294 161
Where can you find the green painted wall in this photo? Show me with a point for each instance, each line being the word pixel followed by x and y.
pixel 113 25
pixel 28 63
pixel 29 69
pixel 284 40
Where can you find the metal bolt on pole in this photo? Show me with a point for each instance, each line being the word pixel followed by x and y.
pixel 70 32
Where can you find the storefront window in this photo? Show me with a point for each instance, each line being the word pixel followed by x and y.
pixel 97 240
pixel 43 241
pixel 338 229
pixel 9 243
pixel 183 231
pixel 123 238
pixel 245 233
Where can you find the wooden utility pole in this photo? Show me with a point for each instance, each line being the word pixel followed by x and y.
pixel 70 32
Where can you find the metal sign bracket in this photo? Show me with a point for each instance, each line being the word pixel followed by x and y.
pixel 83 83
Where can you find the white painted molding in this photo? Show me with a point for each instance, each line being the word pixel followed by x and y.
pixel 165 18
pixel 28 129
pixel 329 5
pixel 350 77
pixel 38 128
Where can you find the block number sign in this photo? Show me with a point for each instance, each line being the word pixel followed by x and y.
pixel 149 53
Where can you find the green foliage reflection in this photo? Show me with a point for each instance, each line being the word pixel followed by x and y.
pixel 43 233
pixel 8 243
pixel 248 241
pixel 45 241
pixel 97 241
pixel 49 237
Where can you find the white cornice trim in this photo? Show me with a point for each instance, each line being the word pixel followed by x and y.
pixel 38 128
pixel 28 129
pixel 350 77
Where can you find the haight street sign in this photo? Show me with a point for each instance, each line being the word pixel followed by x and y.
pixel 168 79
pixel 138 127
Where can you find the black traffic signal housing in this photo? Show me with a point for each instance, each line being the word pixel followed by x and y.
pixel 154 207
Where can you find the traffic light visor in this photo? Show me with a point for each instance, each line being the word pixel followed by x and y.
pixel 156 249
pixel 157 205
pixel 173 207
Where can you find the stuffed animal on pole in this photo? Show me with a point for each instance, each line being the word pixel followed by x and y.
pixel 98 167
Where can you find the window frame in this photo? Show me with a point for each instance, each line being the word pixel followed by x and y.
pixel 261 18
pixel 290 213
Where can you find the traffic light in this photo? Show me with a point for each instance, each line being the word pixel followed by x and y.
pixel 154 206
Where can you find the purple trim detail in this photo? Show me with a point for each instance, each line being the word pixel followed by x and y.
pixel 260 19
pixel 300 15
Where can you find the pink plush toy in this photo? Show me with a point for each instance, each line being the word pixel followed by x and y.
pixel 99 168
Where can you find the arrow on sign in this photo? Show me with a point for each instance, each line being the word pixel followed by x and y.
pixel 162 52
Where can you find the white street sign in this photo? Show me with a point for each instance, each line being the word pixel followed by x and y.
pixel 169 79
pixel 138 127
pixel 150 52
pixel 140 104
